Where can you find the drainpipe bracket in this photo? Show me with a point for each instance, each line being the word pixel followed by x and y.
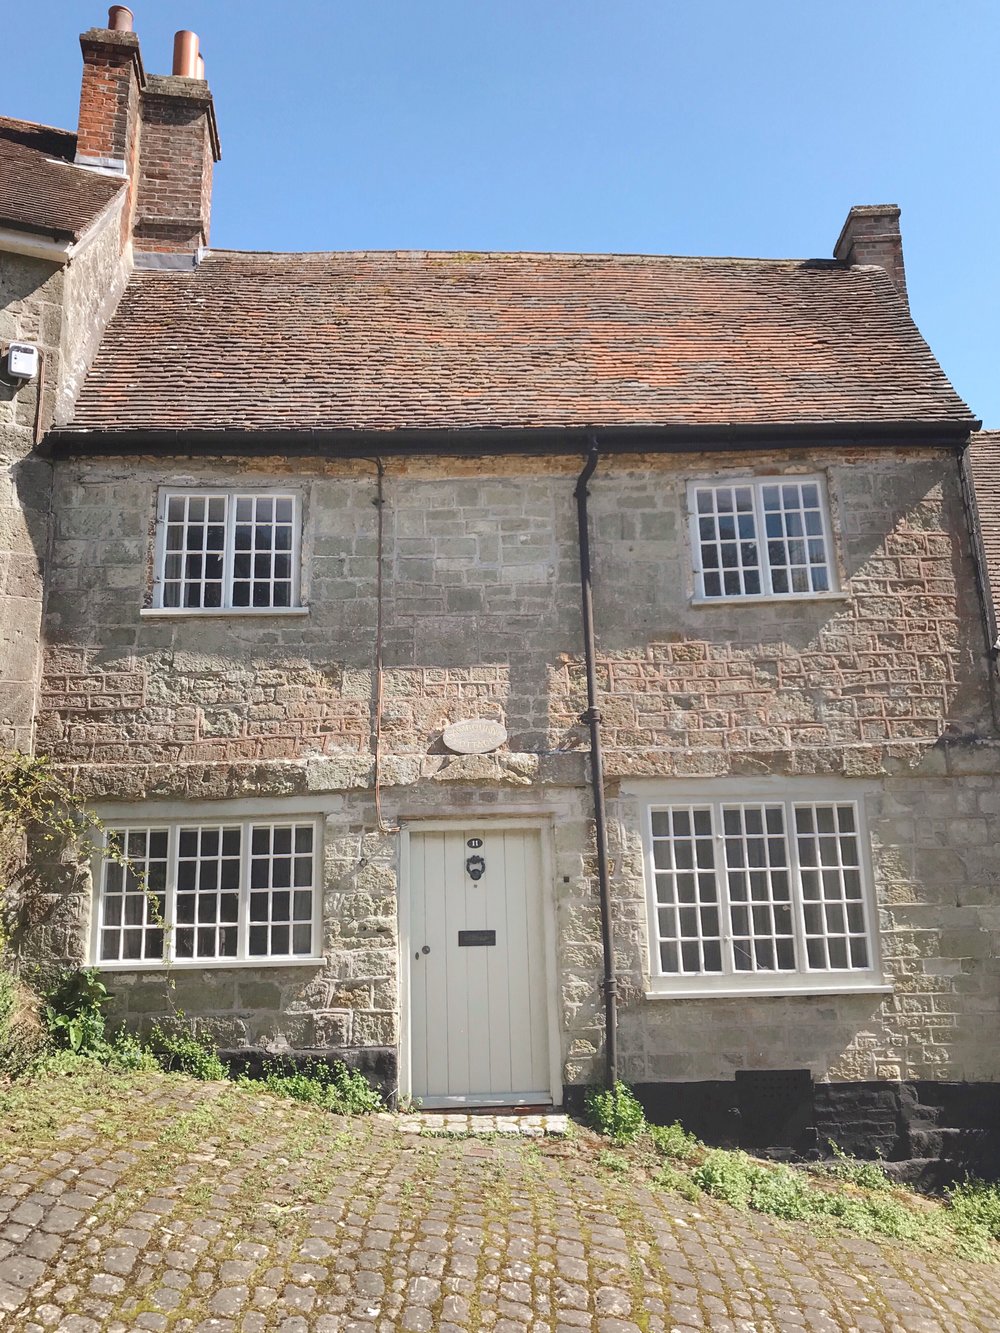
pixel 590 715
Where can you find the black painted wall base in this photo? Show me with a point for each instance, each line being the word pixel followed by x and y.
pixel 927 1133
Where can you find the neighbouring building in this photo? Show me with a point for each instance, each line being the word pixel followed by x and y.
pixel 984 460
pixel 313 648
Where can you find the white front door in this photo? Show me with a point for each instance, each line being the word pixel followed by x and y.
pixel 478 997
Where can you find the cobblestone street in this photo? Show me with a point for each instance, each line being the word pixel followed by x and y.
pixel 185 1206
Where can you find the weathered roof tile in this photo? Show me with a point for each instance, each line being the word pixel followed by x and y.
pixel 41 191
pixel 390 341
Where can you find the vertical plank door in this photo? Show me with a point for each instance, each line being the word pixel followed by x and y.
pixel 478 1014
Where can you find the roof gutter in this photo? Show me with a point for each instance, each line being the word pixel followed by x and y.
pixel 654 437
pixel 55 249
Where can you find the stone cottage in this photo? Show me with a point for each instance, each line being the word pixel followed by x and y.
pixel 507 670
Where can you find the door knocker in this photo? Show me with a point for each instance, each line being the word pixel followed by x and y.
pixel 475 865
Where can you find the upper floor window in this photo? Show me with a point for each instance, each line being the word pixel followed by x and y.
pixel 231 891
pixel 766 537
pixel 764 892
pixel 227 550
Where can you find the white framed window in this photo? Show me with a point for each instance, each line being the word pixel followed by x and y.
pixel 209 893
pixel 761 537
pixel 227 551
pixel 759 891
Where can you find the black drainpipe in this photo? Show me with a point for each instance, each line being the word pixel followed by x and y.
pixel 593 718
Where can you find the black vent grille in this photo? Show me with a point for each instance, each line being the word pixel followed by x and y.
pixel 775 1106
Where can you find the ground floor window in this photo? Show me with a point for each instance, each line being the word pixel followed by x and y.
pixel 751 893
pixel 223 891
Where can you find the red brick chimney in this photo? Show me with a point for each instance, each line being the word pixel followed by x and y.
pixel 107 137
pixel 180 144
pixel 871 236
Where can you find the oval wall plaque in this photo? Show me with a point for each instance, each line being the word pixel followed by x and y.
pixel 477 735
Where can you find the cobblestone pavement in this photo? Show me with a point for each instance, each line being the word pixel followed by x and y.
pixel 178 1206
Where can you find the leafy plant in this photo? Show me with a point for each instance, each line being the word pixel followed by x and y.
pixel 333 1087
pixel 188 1053
pixel 74 1014
pixel 616 1113
pixel 674 1141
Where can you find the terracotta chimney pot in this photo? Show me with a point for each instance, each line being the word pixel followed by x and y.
pixel 186 54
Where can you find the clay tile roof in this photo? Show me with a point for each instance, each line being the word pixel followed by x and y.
pixel 386 341
pixel 984 455
pixel 40 189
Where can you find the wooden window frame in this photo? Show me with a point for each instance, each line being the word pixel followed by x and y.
pixel 230 498
pixel 803 980
pixel 756 486
pixel 242 957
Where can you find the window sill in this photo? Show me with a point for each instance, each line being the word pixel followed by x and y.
pixel 782 992
pixel 208 613
pixel 770 598
pixel 205 964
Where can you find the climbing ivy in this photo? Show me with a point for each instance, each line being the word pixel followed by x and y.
pixel 47 837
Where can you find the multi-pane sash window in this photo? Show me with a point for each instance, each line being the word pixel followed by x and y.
pixel 761 538
pixel 223 550
pixel 219 892
pixel 754 892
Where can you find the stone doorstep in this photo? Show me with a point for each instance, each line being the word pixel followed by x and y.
pixel 458 1125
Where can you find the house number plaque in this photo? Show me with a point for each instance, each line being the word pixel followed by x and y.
pixel 467 938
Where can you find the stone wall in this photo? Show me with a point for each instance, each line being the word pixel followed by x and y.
pixel 95 280
pixel 63 310
pixel 937 878
pixel 31 303
pixel 481 612
pixel 885 683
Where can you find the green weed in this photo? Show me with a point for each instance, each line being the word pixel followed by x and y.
pixel 675 1142
pixel 976 1204
pixel 616 1113
pixel 185 1053
pixel 867 1175
pixel 669 1178
pixel 334 1088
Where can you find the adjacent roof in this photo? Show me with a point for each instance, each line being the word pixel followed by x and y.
pixel 41 191
pixel 984 455
pixel 394 341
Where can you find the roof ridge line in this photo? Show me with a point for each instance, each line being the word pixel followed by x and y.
pixel 470 255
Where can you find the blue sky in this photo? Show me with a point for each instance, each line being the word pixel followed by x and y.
pixel 670 126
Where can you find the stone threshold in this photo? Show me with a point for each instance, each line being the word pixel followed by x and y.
pixel 459 1125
